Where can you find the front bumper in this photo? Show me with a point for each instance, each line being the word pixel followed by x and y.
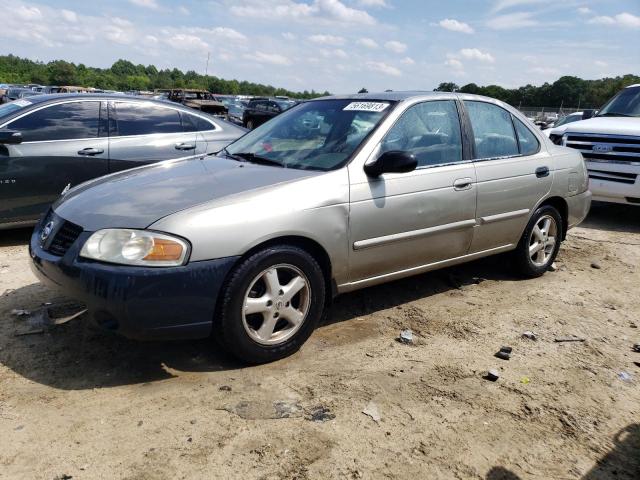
pixel 137 302
pixel 614 182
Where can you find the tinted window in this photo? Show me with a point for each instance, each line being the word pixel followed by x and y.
pixel 145 118
pixel 67 121
pixel 194 123
pixel 529 144
pixel 492 129
pixel 430 130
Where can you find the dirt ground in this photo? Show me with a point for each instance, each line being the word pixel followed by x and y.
pixel 82 404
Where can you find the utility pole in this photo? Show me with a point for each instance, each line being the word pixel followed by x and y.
pixel 206 70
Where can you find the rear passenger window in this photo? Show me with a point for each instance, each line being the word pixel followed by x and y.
pixel 430 131
pixel 195 123
pixel 67 121
pixel 145 119
pixel 529 144
pixel 492 129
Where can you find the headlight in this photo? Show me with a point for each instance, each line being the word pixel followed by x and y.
pixel 135 247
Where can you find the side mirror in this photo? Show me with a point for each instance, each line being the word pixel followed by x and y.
pixel 10 137
pixel 393 161
pixel 587 114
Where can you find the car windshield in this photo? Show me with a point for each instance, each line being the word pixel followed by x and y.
pixel 567 119
pixel 318 135
pixel 624 104
pixel 285 104
pixel 11 107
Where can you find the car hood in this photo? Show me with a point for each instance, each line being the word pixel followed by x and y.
pixel 139 197
pixel 605 125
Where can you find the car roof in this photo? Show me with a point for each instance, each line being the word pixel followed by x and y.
pixel 400 96
pixel 50 97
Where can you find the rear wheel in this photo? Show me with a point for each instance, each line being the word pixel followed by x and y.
pixel 540 242
pixel 271 304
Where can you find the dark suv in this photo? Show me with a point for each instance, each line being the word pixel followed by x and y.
pixel 260 110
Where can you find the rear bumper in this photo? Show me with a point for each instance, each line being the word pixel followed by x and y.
pixel 137 302
pixel 578 208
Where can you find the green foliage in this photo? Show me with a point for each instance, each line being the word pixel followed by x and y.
pixel 571 92
pixel 447 87
pixel 124 75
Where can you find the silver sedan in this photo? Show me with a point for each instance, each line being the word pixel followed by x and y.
pixel 336 194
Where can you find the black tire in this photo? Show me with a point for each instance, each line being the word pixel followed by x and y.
pixel 250 124
pixel 521 256
pixel 229 330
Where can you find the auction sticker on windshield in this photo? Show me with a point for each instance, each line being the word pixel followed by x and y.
pixel 366 106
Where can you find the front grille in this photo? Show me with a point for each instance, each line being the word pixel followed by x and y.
pixel 620 177
pixel 64 238
pixel 606 148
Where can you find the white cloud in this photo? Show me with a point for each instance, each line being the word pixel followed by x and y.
pixel 454 64
pixel 475 54
pixel 335 53
pixel 395 46
pixel 506 4
pixel 622 19
pixel 455 25
pixel 408 61
pixel 382 67
pixel 325 10
pixel 600 63
pixel 367 42
pixel 546 71
pixel 25 13
pixel 373 3
pixel 289 36
pixel 327 40
pixel 152 4
pixel 69 16
pixel 512 21
pixel 270 58
pixel 183 10
pixel 584 11
pixel 183 41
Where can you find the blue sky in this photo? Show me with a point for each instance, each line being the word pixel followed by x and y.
pixel 338 45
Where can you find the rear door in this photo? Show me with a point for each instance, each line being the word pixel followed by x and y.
pixel 145 132
pixel 514 174
pixel 64 144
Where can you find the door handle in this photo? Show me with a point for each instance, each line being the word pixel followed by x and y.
pixel 463 184
pixel 90 151
pixel 185 146
pixel 542 172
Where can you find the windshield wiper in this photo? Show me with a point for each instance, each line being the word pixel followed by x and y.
pixel 253 158
pixel 615 114
pixel 232 156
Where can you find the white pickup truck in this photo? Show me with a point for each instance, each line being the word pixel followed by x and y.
pixel 610 145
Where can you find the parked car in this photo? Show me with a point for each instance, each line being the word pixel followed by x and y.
pixel 51 142
pixel 236 111
pixel 610 144
pixel 564 121
pixel 197 99
pixel 259 110
pixel 376 187
pixel 13 93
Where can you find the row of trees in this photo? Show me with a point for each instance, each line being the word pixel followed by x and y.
pixel 124 75
pixel 567 91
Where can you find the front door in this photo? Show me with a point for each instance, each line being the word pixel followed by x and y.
pixel 514 175
pixel 400 223
pixel 63 145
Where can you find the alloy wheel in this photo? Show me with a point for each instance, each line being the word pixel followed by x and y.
pixel 542 241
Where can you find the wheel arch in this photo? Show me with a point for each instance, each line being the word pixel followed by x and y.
pixel 561 205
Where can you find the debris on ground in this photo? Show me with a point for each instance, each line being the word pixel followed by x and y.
pixel 636 347
pixel 18 312
pixel 406 336
pixel 225 388
pixel 569 339
pixel 492 375
pixel 48 316
pixel 261 410
pixel 525 380
pixel 320 414
pixel 553 267
pixel 596 265
pixel 530 335
pixel 625 377
pixel 372 410
pixel 502 355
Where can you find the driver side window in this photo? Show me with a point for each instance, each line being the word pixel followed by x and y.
pixel 430 131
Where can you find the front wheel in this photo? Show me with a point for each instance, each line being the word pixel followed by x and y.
pixel 540 242
pixel 271 304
